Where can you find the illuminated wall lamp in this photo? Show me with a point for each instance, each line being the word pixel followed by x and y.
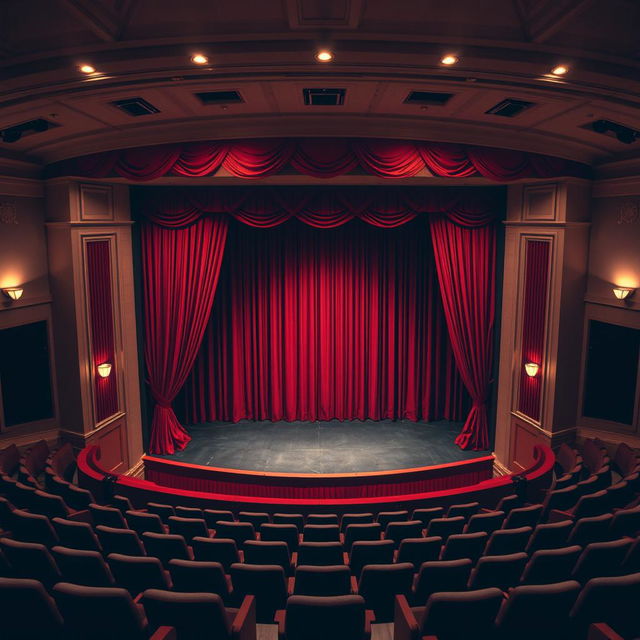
pixel 15 293
pixel 622 292
pixel 104 369
pixel 531 369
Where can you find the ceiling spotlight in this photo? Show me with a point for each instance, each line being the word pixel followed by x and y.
pixel 449 59
pixel 87 68
pixel 560 70
pixel 199 58
pixel 324 55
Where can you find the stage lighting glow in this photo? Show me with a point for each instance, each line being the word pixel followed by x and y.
pixel 449 59
pixel 324 55
pixel 87 68
pixel 199 58
pixel 560 70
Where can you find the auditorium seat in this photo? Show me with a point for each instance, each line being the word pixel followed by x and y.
pixel 222 550
pixel 141 522
pixel 419 550
pixel 444 527
pixel 6 514
pixel 122 503
pixel 619 495
pixel 166 546
pixel 51 505
pixel 626 522
pixel 320 618
pixel 190 613
pixel 124 541
pixel 487 522
pixel 28 612
pixel 188 528
pixel 464 545
pixel 24 496
pixel 611 600
pixel 369 552
pixel 506 503
pixel 380 583
pixel 83 567
pixel 9 460
pixel 322 518
pixel 505 541
pixel 560 500
pixel 296 519
pixel 591 529
pixel 440 575
pixel 261 552
pixel 255 518
pixel 427 515
pixel 385 517
pixel 78 498
pixel 502 571
pixel 465 510
pixel 281 533
pixel 601 559
pixel 354 518
pixel 332 580
pixel 631 562
pixel 266 582
pixel 537 611
pixel 137 573
pixel 320 553
pixel 203 577
pixel 398 531
pixel 30 560
pixel 107 516
pixel 552 535
pixel 211 516
pixel 593 504
pixel 103 614
pixel 550 565
pixel 523 517
pixel 189 512
pixel 162 510
pixel 76 535
pixel 360 532
pixel 321 533
pixel 449 616
pixel 238 531
pixel 33 527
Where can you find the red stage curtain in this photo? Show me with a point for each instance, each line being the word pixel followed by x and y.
pixel 465 263
pixel 181 269
pixel 318 157
pixel 342 323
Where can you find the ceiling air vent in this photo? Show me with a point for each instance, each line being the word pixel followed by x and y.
pixel 324 97
pixel 219 97
pixel 136 107
pixel 17 131
pixel 431 98
pixel 624 134
pixel 510 108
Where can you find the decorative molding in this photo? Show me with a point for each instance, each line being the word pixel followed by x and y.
pixel 90 225
pixel 614 187
pixel 499 469
pixel 25 439
pixel 540 202
pixel 21 187
pixel 137 471
pixel 96 202
pixel 551 224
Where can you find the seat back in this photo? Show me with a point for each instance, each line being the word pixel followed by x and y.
pixel 385 517
pixel 371 552
pixel 322 581
pixel 33 527
pixel 355 518
pixel 319 618
pixel 189 512
pixel 162 510
pixel 189 528
pixel 593 504
pixel 195 576
pixel 76 535
pixel 626 522
pixel 122 503
pixel 465 545
pixel 322 518
pixel 321 533
pixel 427 515
pixel 141 521
pixel 137 573
pixel 398 531
pixel 211 516
pixel 466 510
pixel 320 553
pixel 507 541
pixel 487 522
pixel 501 572
pixel 83 567
pixel 266 582
pixel 254 517
pixel 444 527
pixel 561 499
pixel 107 516
pixel 30 560
pixel 280 533
pixel 523 517
pixel 50 505
pixel 419 550
pixel 380 583
pixel 296 519
pixel 275 552
pixel 123 541
pixel 601 559
pixel 441 575
pixel 355 532
pixel 550 565
pixel 165 546
pixel 107 612
pixel 552 535
pixel 238 531
pixel 222 550
pixel 592 529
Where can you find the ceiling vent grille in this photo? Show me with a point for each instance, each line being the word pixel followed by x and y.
pixel 431 98
pixel 510 108
pixel 135 107
pixel 15 132
pixel 219 97
pixel 324 97
pixel 624 134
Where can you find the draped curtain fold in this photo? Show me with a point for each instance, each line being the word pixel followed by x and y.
pixel 318 157
pixel 180 274
pixel 465 264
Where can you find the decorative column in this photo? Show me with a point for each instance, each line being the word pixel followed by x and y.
pixel 90 263
pixel 545 268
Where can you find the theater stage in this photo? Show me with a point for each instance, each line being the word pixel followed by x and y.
pixel 323 447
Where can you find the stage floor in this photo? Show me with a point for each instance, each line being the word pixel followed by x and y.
pixel 323 447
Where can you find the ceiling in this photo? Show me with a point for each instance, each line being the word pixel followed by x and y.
pixel 264 50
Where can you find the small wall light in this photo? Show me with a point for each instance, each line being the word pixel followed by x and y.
pixel 104 369
pixel 622 292
pixel 15 293
pixel 531 369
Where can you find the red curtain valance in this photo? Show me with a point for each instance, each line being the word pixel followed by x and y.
pixel 320 158
pixel 322 208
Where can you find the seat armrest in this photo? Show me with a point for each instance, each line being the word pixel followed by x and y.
pixel 294 558
pixel 354 584
pixel 555 515
pixel 369 619
pixel 279 619
pixel 345 558
pixel 80 516
pixel 244 624
pixel 290 585
pixel 164 633
pixel 405 623
pixel 602 631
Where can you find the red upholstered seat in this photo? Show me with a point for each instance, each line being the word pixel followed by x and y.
pixel 501 572
pixel 356 532
pixel 296 519
pixel 83 567
pixel 506 541
pixel 268 552
pixel 107 516
pixel 552 535
pixel 466 510
pixel 385 517
pixel 188 528
pixel 354 518
pixel 427 515
pixel 550 565
pixel 254 517
pixel 137 573
pixel 142 521
pixel 162 510
pixel 369 552
pixel 398 531
pixel 30 560
pixel 222 550
pixel 440 575
pixel 166 546
pixel 281 533
pixel 33 527
pixel 419 550
pixel 332 580
pixel 199 577
pixel 212 516
pixel 600 559
pixel 464 545
pixel 266 582
pixel 487 522
pixel 76 535
pixel 321 533
pixel 444 527
pixel 320 553
pixel 380 583
pixel 124 541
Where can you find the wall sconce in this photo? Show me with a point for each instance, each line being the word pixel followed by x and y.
pixel 622 292
pixel 15 293
pixel 531 369
pixel 104 370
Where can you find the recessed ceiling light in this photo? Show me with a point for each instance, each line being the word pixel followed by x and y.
pixel 87 68
pixel 324 55
pixel 199 58
pixel 560 70
pixel 449 59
